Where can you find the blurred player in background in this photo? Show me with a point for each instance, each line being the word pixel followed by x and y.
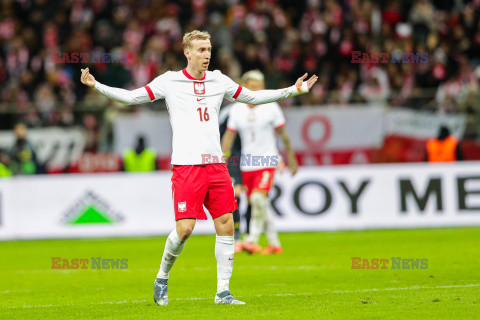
pixel 257 125
pixel 200 176
pixel 233 166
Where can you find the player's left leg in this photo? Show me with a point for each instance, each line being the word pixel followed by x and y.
pixel 259 200
pixel 224 253
pixel 220 202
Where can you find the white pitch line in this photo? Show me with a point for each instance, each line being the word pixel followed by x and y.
pixel 264 295
pixel 14 291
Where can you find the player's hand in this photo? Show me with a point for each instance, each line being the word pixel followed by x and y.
pixel 87 78
pixel 310 82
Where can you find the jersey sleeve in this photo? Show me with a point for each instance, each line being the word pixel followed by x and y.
pixel 121 95
pixel 158 88
pixel 232 89
pixel 278 117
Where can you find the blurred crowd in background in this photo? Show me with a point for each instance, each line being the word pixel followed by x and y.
pixel 283 39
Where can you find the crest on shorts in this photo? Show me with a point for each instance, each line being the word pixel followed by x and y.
pixel 182 206
pixel 199 87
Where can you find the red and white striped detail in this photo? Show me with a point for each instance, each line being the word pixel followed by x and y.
pixel 150 93
pixel 235 96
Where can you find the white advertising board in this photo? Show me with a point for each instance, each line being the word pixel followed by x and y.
pixel 317 198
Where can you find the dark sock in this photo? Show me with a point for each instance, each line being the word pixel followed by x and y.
pixel 248 216
pixel 236 222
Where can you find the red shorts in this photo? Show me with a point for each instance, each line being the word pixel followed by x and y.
pixel 196 185
pixel 259 179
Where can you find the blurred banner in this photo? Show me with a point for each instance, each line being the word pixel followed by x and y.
pixel 318 135
pixel 317 198
pixel 56 147
pixel 422 125
pixel 407 132
pixel 154 127
pixel 322 135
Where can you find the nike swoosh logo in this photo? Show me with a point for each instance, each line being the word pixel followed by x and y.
pixel 230 259
pixel 166 259
pixel 198 99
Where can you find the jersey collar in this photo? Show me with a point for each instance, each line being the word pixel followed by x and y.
pixel 192 78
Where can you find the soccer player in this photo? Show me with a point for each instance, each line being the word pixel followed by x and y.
pixel 200 177
pixel 256 125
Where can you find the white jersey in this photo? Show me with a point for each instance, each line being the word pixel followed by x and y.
pixel 256 126
pixel 193 105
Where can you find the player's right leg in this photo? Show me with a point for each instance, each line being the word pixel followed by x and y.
pixel 258 200
pixel 274 246
pixel 173 247
pixel 262 182
pixel 189 189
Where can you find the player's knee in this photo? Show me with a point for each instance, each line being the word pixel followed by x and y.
pixel 228 229
pixel 258 199
pixel 185 231
pixel 224 225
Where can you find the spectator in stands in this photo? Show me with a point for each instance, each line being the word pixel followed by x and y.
pixel 278 37
pixel 444 148
pixel 376 90
pixel 22 154
pixel 140 159
pixel 470 106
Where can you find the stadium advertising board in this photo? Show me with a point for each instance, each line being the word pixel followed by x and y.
pixel 317 198
pixel 378 196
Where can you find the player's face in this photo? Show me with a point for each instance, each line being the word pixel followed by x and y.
pixel 199 54
pixel 254 85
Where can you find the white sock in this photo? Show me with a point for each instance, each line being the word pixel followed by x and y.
pixel 257 222
pixel 173 247
pixel 270 230
pixel 224 253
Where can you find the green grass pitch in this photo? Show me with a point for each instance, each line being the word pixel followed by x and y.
pixel 312 279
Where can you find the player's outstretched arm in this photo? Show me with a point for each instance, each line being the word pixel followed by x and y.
pixel 121 95
pixel 227 142
pixel 266 96
pixel 292 160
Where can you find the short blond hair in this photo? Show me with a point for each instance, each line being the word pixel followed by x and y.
pixel 194 35
pixel 253 75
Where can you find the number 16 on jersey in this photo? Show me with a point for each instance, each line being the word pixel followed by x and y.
pixel 205 116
